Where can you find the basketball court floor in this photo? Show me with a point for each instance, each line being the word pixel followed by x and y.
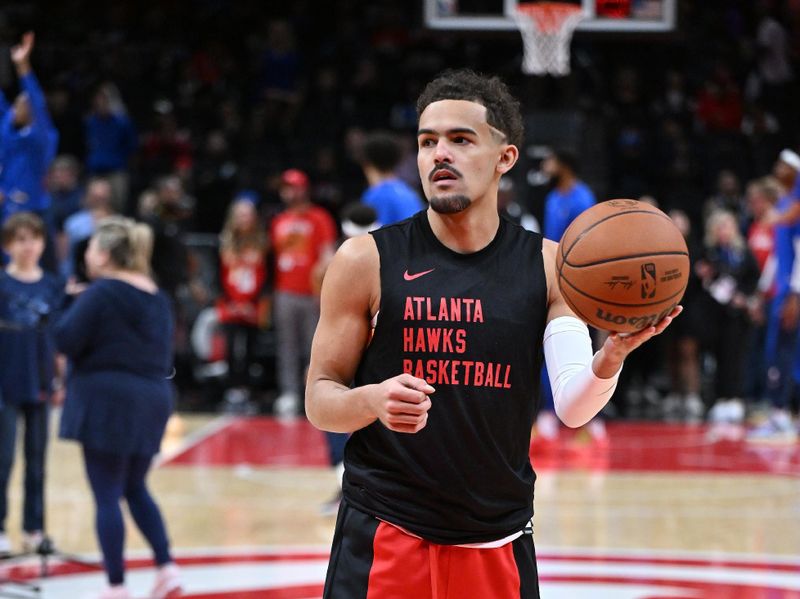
pixel 660 511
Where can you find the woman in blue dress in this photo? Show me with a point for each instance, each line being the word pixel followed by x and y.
pixel 118 338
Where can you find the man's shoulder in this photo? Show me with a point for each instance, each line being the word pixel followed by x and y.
pixel 358 254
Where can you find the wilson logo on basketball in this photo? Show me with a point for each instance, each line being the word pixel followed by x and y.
pixel 636 322
pixel 648 280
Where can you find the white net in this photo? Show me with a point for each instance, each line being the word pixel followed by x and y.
pixel 547 29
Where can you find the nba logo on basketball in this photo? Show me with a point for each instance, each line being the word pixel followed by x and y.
pixel 648 280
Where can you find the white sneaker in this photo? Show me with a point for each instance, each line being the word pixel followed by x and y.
pixel 778 429
pixel 5 545
pixel 736 410
pixel 597 430
pixel 32 541
pixel 693 407
pixel 547 425
pixel 168 582
pixel 671 406
pixel 718 412
pixel 115 592
pixel 286 405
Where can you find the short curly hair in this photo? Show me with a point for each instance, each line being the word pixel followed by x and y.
pixel 502 108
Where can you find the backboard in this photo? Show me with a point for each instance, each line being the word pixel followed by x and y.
pixel 642 16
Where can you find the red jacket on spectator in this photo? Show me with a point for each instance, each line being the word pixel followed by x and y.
pixel 299 239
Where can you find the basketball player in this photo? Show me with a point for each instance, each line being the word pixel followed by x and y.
pixel 438 486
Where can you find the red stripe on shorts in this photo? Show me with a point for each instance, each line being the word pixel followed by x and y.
pixel 405 567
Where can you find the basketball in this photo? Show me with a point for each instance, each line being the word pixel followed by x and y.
pixel 622 265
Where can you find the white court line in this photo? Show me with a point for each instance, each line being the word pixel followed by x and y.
pixel 542 551
pixel 275 575
pixel 191 440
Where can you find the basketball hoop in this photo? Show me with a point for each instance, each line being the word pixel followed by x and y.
pixel 547 29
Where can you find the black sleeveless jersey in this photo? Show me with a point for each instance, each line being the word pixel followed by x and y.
pixel 471 325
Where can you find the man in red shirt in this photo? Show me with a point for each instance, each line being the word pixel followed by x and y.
pixel 302 238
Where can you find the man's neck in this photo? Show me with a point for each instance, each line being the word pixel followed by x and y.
pixel 29 273
pixel 467 231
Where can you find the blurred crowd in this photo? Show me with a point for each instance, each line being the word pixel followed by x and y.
pixel 252 138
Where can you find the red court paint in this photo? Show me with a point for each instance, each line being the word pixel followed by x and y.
pixel 631 446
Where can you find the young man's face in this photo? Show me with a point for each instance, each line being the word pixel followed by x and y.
pixel 25 248
pixel 460 156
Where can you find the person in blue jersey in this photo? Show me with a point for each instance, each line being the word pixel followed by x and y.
pixel 389 195
pixel 28 144
pixel 784 307
pixel 440 396
pixel 29 297
pixel 118 338
pixel 110 142
pixel 569 197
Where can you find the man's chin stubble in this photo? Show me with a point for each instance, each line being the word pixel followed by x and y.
pixel 449 204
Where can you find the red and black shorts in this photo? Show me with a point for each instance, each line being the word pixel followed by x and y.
pixel 374 560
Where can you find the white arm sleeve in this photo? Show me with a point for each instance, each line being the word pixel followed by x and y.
pixel 578 393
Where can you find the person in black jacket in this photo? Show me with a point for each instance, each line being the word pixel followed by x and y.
pixel 729 274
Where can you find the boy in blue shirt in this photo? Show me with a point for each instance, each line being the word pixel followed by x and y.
pixel 28 298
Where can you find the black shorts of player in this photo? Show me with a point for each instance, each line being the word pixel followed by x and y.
pixel 371 559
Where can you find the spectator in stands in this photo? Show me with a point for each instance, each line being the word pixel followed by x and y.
pixel 64 187
pixel 280 77
pixel 774 73
pixel 729 274
pixel 762 195
pixel 28 144
pixel 67 117
pixel 728 195
pixel 508 206
pixel 569 197
pixel 302 239
pixel 98 203
pixel 173 212
pixel 29 297
pixel 243 306
pixel 782 311
pixel 674 102
pixel 166 147
pixel 110 142
pixel 215 176
pixel 682 343
pixel 391 198
pixel 719 103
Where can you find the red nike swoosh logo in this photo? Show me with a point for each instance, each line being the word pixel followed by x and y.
pixel 409 277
